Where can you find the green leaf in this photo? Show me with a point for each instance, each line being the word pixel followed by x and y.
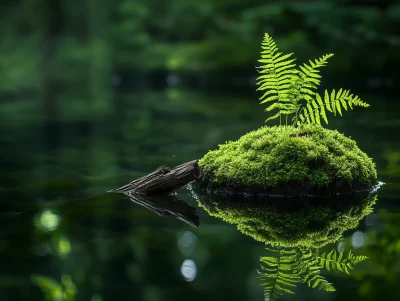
pixel 270 98
pixel 337 105
pixel 273 117
pixel 310 112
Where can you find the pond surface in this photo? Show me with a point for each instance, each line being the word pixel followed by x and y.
pixel 63 237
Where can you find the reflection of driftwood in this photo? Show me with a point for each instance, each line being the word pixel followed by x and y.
pixel 163 180
pixel 167 205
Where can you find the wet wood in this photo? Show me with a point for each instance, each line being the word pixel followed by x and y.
pixel 163 180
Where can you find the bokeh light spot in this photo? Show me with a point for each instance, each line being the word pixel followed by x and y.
pixel 357 240
pixel 47 221
pixel 189 270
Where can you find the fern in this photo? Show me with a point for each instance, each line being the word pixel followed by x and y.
pixel 277 77
pixel 308 269
pixel 310 78
pixel 293 91
pixel 281 273
pixel 316 108
pixel 276 274
pixel 335 261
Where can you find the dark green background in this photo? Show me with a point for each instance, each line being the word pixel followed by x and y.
pixel 96 93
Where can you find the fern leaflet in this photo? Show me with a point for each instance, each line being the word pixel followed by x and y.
pixel 335 261
pixel 316 108
pixel 276 275
pixel 308 269
pixel 277 76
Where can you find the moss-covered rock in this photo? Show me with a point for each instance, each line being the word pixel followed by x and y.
pixel 287 160
pixel 311 222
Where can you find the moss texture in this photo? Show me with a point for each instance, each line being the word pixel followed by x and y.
pixel 288 160
pixel 310 223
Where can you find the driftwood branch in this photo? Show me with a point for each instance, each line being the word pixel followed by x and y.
pixel 167 205
pixel 163 180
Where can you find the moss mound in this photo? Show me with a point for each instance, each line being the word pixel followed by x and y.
pixel 286 160
pixel 311 223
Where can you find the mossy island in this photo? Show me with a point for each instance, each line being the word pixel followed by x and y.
pixel 305 222
pixel 289 161
pixel 297 158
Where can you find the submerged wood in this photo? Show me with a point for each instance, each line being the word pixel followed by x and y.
pixel 167 205
pixel 163 180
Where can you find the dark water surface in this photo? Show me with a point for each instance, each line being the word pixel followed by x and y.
pixel 62 237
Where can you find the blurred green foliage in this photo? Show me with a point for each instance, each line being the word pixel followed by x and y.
pixel 381 244
pixel 54 290
pixel 85 42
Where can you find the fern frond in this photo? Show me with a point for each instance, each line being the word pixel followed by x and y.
pixel 310 78
pixel 276 77
pixel 335 261
pixel 277 274
pixel 310 73
pixel 315 109
pixel 308 269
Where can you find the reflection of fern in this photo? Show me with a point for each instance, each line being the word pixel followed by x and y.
pixel 335 261
pixel 292 91
pixel 280 274
pixel 276 274
pixel 308 269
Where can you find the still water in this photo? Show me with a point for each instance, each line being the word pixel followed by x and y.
pixel 63 237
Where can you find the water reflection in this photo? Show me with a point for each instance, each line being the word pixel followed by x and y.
pixel 167 205
pixel 189 270
pixel 54 290
pixel 382 246
pixel 187 243
pixel 296 233
pixel 280 222
pixel 47 221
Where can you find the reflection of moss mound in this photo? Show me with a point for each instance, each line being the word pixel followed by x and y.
pixel 307 223
pixel 287 160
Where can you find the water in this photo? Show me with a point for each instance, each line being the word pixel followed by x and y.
pixel 62 237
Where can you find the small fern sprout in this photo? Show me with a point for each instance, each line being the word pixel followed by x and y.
pixel 288 90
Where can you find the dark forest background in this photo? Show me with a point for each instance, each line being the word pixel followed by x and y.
pixel 94 93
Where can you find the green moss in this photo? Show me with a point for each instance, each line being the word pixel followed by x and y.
pixel 311 222
pixel 288 160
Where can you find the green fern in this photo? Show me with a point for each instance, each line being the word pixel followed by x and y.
pixel 310 78
pixel 277 77
pixel 288 90
pixel 276 274
pixel 336 262
pixel 316 108
pixel 309 270
pixel 281 273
